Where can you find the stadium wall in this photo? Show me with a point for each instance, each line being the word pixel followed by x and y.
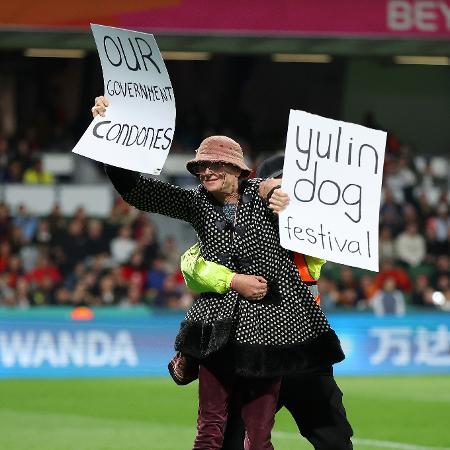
pixel 408 100
pixel 48 342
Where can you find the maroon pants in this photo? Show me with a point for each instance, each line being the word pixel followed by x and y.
pixel 258 398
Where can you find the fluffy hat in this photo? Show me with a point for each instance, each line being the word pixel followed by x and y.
pixel 219 149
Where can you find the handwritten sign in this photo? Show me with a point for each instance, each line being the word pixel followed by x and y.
pixel 332 174
pixel 137 131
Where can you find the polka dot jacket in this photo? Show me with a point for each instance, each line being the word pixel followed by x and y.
pixel 286 332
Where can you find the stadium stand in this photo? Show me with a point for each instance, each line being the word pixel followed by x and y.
pixel 68 244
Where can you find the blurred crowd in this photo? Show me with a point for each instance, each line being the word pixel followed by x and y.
pixel 414 247
pixel 120 260
pixel 21 162
pixel 55 260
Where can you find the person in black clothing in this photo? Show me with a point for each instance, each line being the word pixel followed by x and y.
pixel 313 398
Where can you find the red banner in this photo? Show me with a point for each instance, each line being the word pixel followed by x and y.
pixel 390 18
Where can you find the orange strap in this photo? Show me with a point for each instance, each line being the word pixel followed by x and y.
pixel 302 266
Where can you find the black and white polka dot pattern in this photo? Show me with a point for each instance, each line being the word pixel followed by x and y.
pixel 289 314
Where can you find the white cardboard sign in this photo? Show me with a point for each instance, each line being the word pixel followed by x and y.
pixel 332 174
pixel 138 129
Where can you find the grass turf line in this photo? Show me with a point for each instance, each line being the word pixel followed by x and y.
pixel 155 414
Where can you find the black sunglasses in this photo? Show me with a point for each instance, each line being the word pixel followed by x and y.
pixel 201 167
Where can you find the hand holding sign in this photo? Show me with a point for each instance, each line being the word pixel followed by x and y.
pixel 270 190
pixel 332 174
pixel 138 132
pixel 101 103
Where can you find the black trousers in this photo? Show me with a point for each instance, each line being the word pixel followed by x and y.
pixel 315 402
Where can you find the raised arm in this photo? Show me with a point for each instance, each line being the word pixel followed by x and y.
pixel 148 194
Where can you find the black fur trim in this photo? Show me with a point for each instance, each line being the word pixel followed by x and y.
pixel 265 361
pixel 200 341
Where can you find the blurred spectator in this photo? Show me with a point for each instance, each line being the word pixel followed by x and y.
pixel 107 291
pixel 81 216
pixel 147 243
pixel 4 151
pixel 7 294
pixel 43 235
pixel 16 238
pixel 389 270
pixel 119 281
pixel 440 222
pixel 435 247
pixel 171 254
pixel 63 296
pixel 26 222
pixel 29 255
pixel 133 296
pixel 96 240
pixel 421 290
pixel 386 246
pixel 23 154
pixel 43 273
pixel 328 293
pixel 347 288
pixel 37 175
pixel 366 289
pixel 410 246
pixel 22 295
pixel 443 283
pixel 56 221
pixel 14 173
pixel 170 296
pixel 442 268
pixel 400 179
pixel 155 281
pixel 423 205
pixel 391 213
pixel 5 252
pixel 122 214
pixel 429 179
pixel 389 300
pixel 81 295
pixel 73 243
pixel 410 215
pixel 5 221
pixel 122 246
pixel 14 271
pixel 74 276
pixel 87 284
pixel 134 270
pixel 393 144
pixel 44 290
pixel 99 264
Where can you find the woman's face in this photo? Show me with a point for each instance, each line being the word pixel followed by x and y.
pixel 218 177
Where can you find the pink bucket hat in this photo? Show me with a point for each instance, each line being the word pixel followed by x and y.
pixel 219 149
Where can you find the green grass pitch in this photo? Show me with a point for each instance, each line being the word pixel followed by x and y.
pixel 404 413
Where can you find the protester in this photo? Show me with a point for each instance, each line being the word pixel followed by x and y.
pixel 239 343
pixel 314 399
